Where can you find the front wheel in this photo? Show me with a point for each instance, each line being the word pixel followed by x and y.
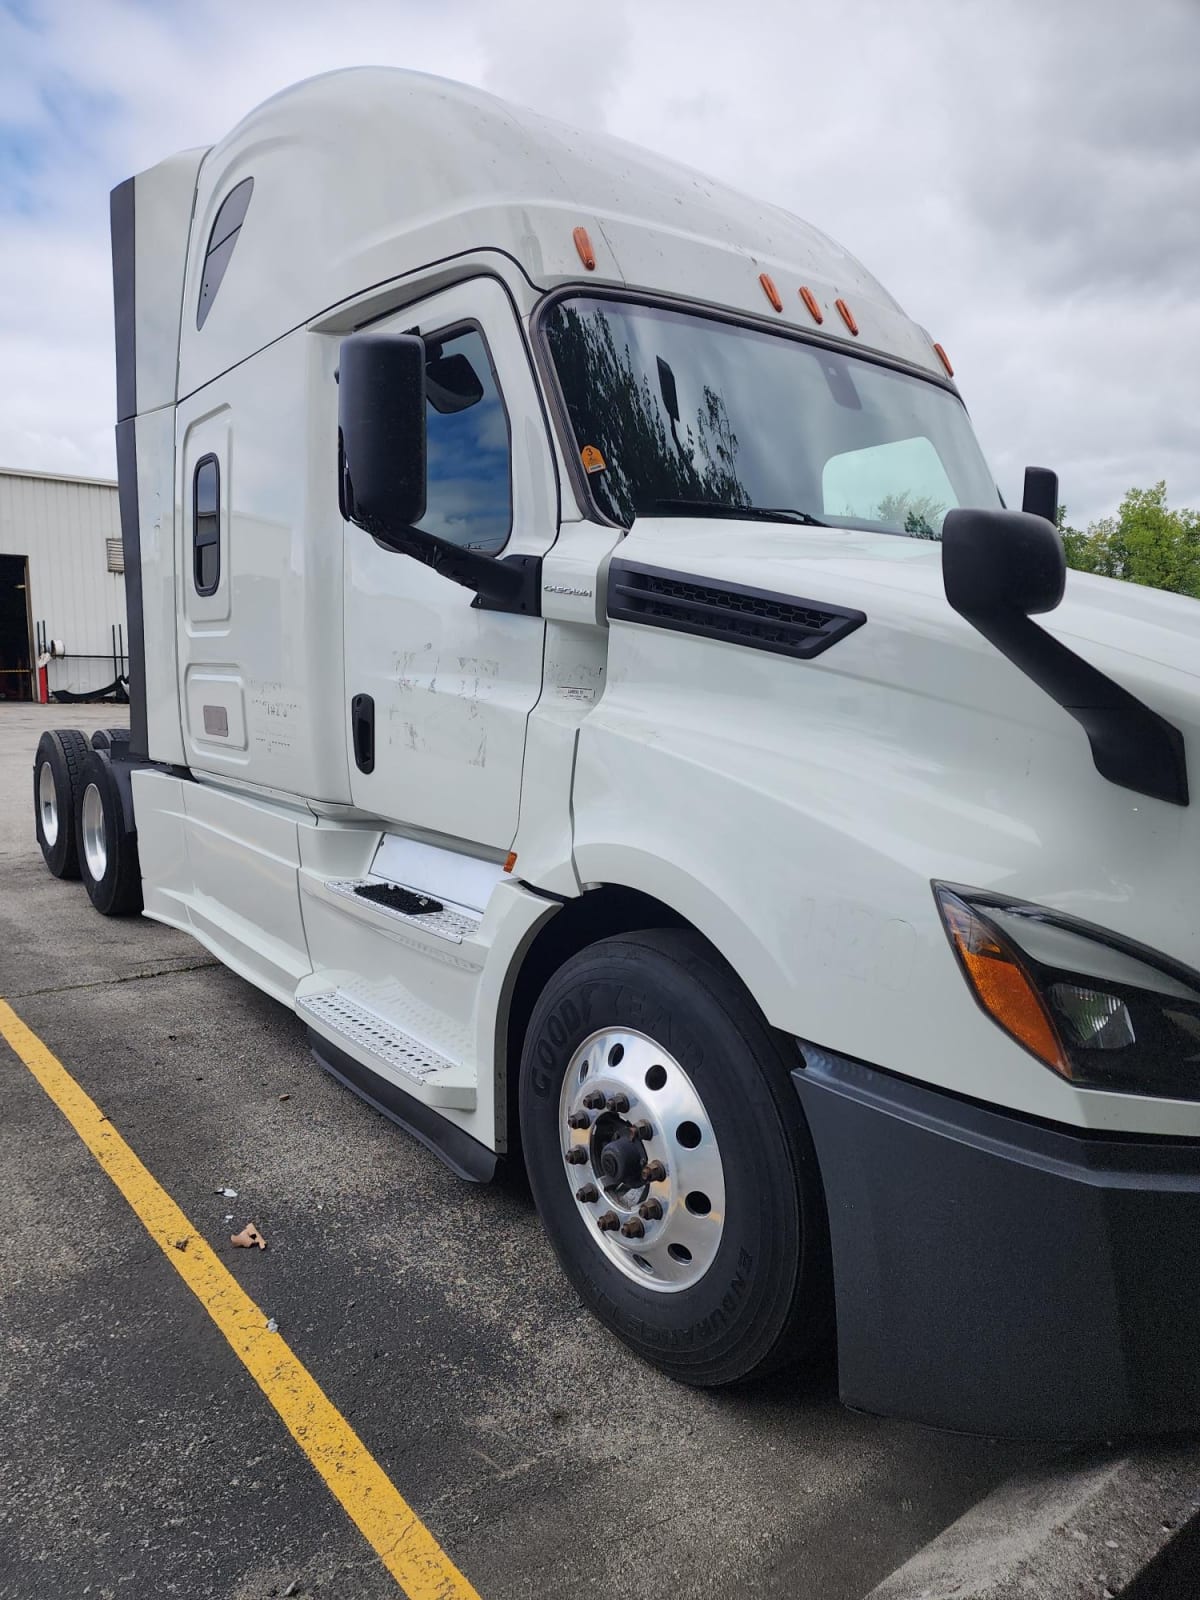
pixel 670 1161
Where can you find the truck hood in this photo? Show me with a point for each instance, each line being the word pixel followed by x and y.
pixel 899 580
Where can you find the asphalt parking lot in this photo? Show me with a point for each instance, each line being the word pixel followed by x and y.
pixel 138 1456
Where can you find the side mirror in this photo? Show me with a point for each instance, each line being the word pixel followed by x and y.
pixel 381 431
pixel 1041 493
pixel 381 463
pixel 998 564
pixel 1000 569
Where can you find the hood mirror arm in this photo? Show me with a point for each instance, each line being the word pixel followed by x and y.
pixel 998 567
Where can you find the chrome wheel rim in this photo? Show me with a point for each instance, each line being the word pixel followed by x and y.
pixel 48 804
pixel 95 843
pixel 642 1160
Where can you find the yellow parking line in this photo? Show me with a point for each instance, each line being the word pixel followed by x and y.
pixel 401 1540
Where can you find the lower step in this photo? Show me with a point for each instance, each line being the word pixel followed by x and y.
pixel 395 1055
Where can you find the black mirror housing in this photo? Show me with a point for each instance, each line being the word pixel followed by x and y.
pixel 1040 498
pixel 381 431
pixel 998 564
pixel 999 569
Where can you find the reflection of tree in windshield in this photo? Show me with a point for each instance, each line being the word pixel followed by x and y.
pixel 626 422
pixel 918 514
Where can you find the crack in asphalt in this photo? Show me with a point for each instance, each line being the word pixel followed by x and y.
pixel 106 983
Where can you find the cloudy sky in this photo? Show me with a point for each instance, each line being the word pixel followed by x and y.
pixel 1023 175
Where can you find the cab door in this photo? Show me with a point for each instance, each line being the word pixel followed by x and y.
pixel 438 689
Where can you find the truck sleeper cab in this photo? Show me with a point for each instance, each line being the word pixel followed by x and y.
pixel 582 665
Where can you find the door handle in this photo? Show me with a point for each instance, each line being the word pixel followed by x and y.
pixel 362 724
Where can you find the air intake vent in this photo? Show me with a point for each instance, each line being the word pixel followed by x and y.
pixel 728 611
pixel 115 552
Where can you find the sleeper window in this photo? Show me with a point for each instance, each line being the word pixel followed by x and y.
pixel 469 486
pixel 221 241
pixel 206 525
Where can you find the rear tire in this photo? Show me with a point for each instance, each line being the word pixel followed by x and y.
pixel 728 1277
pixel 57 767
pixel 105 738
pixel 107 850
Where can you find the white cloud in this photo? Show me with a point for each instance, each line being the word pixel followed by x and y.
pixel 1022 177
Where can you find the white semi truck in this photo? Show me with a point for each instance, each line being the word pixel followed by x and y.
pixel 583 666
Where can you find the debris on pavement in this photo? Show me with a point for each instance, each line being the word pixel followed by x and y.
pixel 285 1097
pixel 292 1588
pixel 181 1244
pixel 248 1238
pixel 272 1325
pixel 230 1194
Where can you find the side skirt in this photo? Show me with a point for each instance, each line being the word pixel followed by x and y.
pixel 465 1157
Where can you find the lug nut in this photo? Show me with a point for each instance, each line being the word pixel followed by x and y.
pixel 651 1210
pixel 653 1172
pixel 608 1222
pixel 618 1103
pixel 594 1100
pixel 579 1119
pixel 587 1194
pixel 576 1155
pixel 643 1131
pixel 633 1228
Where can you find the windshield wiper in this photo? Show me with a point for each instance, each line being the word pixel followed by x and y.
pixel 719 508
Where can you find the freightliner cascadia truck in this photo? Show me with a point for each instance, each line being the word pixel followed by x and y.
pixel 582 664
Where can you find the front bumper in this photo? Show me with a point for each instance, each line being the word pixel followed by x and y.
pixel 1002 1276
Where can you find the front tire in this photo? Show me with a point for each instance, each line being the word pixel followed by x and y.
pixel 670 1161
pixel 57 769
pixel 107 851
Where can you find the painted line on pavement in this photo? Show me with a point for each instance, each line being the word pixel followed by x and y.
pixel 356 1480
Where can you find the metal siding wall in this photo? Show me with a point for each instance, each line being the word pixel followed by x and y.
pixel 61 526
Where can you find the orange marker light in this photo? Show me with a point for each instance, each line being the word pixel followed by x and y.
pixel 584 245
pixel 1000 982
pixel 810 300
pixel 944 359
pixel 769 289
pixel 847 316
pixel 510 861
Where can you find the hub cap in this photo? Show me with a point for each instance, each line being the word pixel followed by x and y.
pixel 48 804
pixel 95 844
pixel 649 1158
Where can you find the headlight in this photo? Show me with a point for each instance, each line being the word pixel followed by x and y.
pixel 1100 1010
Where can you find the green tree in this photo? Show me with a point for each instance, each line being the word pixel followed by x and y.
pixel 1146 542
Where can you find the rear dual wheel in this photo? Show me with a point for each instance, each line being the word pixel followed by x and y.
pixel 107 848
pixel 57 773
pixel 670 1161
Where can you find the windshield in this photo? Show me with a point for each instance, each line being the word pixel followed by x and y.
pixel 671 407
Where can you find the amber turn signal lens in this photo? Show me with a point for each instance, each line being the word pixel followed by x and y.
pixel 1000 983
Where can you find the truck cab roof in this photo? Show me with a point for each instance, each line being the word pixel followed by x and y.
pixel 365 175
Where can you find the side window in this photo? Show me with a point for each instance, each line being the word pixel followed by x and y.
pixel 221 241
pixel 469 492
pixel 206 525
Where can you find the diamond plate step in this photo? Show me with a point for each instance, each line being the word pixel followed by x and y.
pixel 449 923
pixel 377 1042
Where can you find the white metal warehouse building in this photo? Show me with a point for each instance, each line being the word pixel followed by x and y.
pixel 61 579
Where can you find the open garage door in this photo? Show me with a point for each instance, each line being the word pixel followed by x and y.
pixel 16 650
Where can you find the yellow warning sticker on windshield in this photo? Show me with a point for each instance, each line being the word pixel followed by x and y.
pixel 593 461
